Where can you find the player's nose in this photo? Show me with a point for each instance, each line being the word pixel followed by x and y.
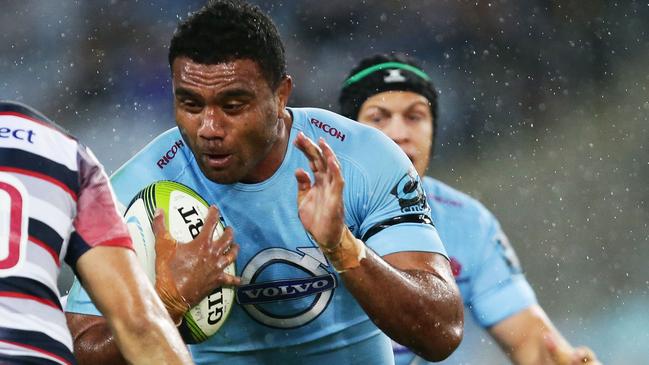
pixel 397 129
pixel 212 124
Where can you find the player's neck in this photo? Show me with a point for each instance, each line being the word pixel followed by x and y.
pixel 277 152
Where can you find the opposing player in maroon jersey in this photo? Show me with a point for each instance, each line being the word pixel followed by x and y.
pixel 56 204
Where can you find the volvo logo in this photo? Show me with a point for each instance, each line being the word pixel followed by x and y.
pixel 318 284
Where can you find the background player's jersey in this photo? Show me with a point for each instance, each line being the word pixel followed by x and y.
pixel 484 265
pixel 55 204
pixel 291 305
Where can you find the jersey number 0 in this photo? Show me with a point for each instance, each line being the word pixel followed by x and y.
pixel 13 223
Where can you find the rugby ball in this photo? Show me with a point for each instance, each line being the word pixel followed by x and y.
pixel 185 212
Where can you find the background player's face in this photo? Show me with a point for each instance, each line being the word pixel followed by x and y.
pixel 231 118
pixel 405 117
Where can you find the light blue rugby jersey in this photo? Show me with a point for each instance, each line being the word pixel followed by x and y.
pixel 327 325
pixel 484 264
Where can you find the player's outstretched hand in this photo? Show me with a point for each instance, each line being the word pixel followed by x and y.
pixel 320 204
pixel 564 354
pixel 321 208
pixel 186 273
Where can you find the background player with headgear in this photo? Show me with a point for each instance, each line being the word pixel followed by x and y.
pixel 333 241
pixel 56 204
pixel 392 93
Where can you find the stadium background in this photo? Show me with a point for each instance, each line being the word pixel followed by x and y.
pixel 543 117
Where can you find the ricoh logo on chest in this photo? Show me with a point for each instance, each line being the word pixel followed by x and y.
pixel 332 131
pixel 170 154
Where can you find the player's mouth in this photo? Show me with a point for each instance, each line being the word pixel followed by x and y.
pixel 217 161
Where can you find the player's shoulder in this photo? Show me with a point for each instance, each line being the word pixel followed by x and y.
pixel 164 158
pixel 27 113
pixel 348 138
pixel 34 142
pixel 445 197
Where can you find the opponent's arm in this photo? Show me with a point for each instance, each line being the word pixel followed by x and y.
pixel 529 337
pixel 192 271
pixel 411 296
pixel 143 330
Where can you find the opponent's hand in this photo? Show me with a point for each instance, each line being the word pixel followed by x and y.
pixel 563 354
pixel 186 273
pixel 320 205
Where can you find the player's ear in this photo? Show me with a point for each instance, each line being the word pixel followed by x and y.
pixel 283 92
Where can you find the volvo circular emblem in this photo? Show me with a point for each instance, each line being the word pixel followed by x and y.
pixel 319 283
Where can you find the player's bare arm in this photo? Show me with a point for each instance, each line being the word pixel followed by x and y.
pixel 140 323
pixel 417 286
pixel 93 340
pixel 184 275
pixel 529 338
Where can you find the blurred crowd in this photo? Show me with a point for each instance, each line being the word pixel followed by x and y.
pixel 543 117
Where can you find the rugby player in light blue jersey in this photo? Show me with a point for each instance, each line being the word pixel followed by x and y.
pixel 391 93
pixel 334 239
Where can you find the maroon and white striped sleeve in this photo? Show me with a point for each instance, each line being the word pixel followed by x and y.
pixel 98 222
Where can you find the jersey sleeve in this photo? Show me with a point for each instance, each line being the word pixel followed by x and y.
pixel 129 179
pixel 499 288
pixel 389 201
pixel 97 221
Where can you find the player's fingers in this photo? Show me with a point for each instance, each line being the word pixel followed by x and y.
pixel 164 244
pixel 312 152
pixel 211 220
pixel 559 354
pixel 584 355
pixel 230 280
pixel 303 180
pixel 326 149
pixel 230 255
pixel 227 260
pixel 333 165
pixel 303 184
pixel 159 227
pixel 224 243
pixel 335 176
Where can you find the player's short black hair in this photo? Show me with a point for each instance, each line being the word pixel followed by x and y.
pixel 228 30
pixel 372 76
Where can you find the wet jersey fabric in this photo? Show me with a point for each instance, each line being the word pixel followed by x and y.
pixel 55 204
pixel 484 264
pixel 291 302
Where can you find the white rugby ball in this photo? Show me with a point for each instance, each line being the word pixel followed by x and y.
pixel 185 212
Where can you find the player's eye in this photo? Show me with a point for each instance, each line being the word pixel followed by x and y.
pixel 191 105
pixel 233 106
pixel 376 118
pixel 415 117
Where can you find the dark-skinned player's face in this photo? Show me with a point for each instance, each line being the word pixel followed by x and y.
pixel 230 117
